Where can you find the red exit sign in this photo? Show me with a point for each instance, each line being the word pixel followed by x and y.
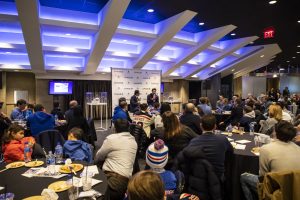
pixel 269 32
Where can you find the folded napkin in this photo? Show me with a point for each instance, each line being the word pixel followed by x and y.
pixel 49 194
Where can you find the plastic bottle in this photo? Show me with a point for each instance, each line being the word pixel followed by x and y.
pixel 27 152
pixel 229 128
pixel 56 117
pixel 59 153
pixel 256 142
pixel 251 128
pixel 51 163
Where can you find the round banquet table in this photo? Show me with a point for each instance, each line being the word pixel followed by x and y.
pixel 240 162
pixel 24 187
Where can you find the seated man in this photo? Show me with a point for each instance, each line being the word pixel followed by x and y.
pixel 19 112
pixel 206 109
pixel 69 113
pixel 190 119
pixel 121 111
pixel 280 155
pixel 40 120
pixel 144 119
pixel 118 153
pixel 214 146
pixel 249 117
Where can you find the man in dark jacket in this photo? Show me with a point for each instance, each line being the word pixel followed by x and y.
pixel 236 113
pixel 200 178
pixel 190 119
pixel 152 98
pixel 215 147
pixel 40 120
pixel 135 101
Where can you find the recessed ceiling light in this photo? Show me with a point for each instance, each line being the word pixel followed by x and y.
pixel 7 52
pixel 124 40
pixel 298 52
pixel 262 56
pixel 232 70
pixel 16 70
pixel 150 10
pixel 298 46
pixel 298 21
pixel 201 23
pixel 67 34
pixel 272 2
pixel 287 61
pixel 232 34
pixel 294 57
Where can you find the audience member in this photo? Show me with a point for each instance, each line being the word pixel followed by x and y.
pixel 156 159
pixel 118 153
pixel 152 98
pixel 135 102
pixel 40 120
pixel 120 111
pixel 14 144
pixel 271 158
pixel 29 110
pixel 286 92
pixel 19 112
pixel 215 147
pixel 158 119
pixel 175 135
pixel 249 117
pixel 146 185
pixel 204 106
pixel 69 112
pixel 190 119
pixel 155 109
pixel 118 107
pixel 75 148
pixel 76 119
pixel 226 105
pixel 220 103
pixel 275 115
pixel 4 122
pixel 57 111
pixel 236 113
pixel 144 119
pixel 286 115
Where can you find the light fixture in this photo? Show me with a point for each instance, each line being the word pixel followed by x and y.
pixel 7 52
pixel 16 70
pixel 262 56
pixel 67 34
pixel 232 34
pixel 287 61
pixel 124 40
pixel 274 75
pixel 272 2
pixel 233 70
pixel 298 46
pixel 294 57
pixel 281 69
pixel 298 21
pixel 201 23
pixel 150 10
pixel 298 52
pixel 195 76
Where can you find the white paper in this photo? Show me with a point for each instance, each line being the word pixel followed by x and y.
pixel 257 153
pixel 240 146
pixel 40 172
pixel 89 193
pixel 94 181
pixel 229 139
pixel 243 141
pixel 91 170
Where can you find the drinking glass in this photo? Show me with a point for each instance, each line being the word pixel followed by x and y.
pixel 86 182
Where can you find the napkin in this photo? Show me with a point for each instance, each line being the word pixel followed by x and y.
pixel 89 193
pixel 91 170
pixel 240 146
pixel 94 181
pixel 242 141
pixel 49 194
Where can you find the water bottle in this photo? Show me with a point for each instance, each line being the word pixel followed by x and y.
pixel 229 128
pixel 256 141
pixel 27 152
pixel 252 124
pixel 59 153
pixel 50 158
pixel 56 117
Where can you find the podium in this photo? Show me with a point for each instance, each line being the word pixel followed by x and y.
pixel 93 103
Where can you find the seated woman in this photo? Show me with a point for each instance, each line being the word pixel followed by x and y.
pixel 14 143
pixel 275 116
pixel 75 148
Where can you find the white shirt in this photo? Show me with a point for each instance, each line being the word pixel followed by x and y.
pixel 286 116
pixel 118 152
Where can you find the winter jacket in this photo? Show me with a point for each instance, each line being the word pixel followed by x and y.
pixel 40 121
pixel 78 150
pixel 14 150
pixel 200 178
pixel 236 115
pixel 119 113
pixel 140 137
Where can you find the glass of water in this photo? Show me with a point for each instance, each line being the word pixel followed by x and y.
pixel 87 181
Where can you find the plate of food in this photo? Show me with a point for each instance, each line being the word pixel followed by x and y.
pixel 236 131
pixel 59 186
pixel 15 165
pixel 255 150
pixel 35 198
pixel 70 168
pixel 36 163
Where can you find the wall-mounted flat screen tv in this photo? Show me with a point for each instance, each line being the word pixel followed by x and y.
pixel 60 87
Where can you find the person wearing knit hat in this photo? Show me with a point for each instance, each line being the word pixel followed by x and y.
pixel 156 159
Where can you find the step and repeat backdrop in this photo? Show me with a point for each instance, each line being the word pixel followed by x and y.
pixel 126 81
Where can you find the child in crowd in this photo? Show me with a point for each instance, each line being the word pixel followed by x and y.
pixel 75 148
pixel 156 159
pixel 14 143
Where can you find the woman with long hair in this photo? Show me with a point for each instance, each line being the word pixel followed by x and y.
pixel 275 116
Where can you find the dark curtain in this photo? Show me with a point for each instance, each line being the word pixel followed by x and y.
pixel 80 87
